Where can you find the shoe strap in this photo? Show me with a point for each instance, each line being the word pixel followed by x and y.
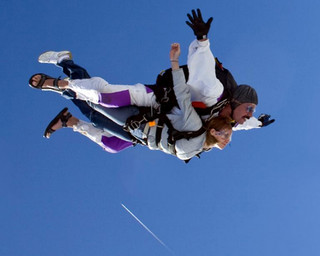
pixel 55 82
pixel 64 119
pixel 41 82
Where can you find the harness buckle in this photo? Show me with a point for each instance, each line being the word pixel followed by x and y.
pixel 165 98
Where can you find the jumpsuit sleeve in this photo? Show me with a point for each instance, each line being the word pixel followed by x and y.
pixel 251 123
pixel 191 120
pixel 204 85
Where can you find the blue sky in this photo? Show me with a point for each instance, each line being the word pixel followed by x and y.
pixel 63 196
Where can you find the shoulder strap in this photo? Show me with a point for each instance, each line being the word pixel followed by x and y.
pixel 213 110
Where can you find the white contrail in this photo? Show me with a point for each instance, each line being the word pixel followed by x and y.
pixel 146 228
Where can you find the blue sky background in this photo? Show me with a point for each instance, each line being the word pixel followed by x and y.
pixel 260 196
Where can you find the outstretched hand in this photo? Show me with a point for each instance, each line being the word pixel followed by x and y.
pixel 265 120
pixel 199 27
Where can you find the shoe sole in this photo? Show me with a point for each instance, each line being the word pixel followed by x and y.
pixel 48 132
pixel 45 57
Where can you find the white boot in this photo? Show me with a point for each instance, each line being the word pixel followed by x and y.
pixel 52 57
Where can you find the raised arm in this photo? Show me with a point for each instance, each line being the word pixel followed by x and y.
pixel 191 121
pixel 204 85
pixel 174 56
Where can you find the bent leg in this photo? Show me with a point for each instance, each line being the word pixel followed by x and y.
pixel 109 142
pixel 99 91
pixel 107 124
pixel 104 139
pixel 116 115
pixel 119 116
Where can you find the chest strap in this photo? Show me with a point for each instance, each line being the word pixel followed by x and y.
pixel 173 134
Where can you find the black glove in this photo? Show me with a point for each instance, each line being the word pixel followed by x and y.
pixel 265 120
pixel 199 27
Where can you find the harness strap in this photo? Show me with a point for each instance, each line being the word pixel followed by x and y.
pixel 159 131
pixel 173 134
pixel 211 111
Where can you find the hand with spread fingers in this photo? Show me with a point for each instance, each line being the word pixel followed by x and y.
pixel 265 120
pixel 199 27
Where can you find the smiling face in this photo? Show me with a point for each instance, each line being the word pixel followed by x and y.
pixel 222 137
pixel 243 112
pixel 219 131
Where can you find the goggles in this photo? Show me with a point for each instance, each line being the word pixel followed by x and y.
pixel 251 109
pixel 224 134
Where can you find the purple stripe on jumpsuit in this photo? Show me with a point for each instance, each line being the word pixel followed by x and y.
pixel 220 96
pixel 115 99
pixel 114 144
pixel 148 89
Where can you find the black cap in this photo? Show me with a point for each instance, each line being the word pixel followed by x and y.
pixel 244 94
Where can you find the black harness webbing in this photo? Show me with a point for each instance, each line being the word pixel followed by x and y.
pixel 213 110
pixel 173 134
